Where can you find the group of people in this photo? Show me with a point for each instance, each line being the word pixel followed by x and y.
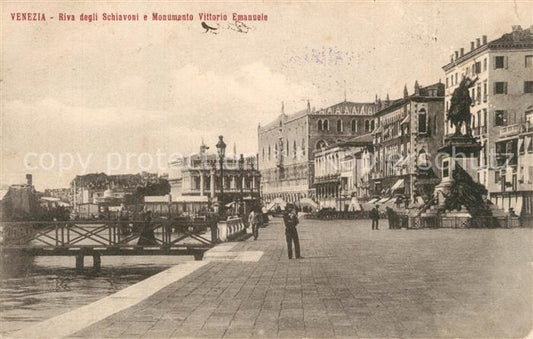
pixel 394 219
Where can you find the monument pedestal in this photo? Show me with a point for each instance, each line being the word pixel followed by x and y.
pixel 459 150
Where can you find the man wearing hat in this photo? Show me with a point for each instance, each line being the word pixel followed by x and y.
pixel 291 233
pixel 374 215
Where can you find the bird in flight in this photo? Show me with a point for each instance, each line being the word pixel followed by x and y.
pixel 208 28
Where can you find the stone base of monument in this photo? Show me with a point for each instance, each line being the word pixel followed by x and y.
pixel 456 219
pixel 457 150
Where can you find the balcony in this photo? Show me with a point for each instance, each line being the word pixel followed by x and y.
pixel 506 131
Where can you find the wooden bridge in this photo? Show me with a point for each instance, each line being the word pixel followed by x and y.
pixel 107 237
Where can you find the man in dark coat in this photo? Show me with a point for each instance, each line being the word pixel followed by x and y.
pixel 374 215
pixel 291 233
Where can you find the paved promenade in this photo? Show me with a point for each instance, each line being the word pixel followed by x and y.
pixel 352 282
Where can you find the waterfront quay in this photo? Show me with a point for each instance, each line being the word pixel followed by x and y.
pixel 352 282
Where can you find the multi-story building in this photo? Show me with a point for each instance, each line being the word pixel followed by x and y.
pixel 63 194
pixel 501 96
pixel 97 187
pixel 198 177
pixel 287 145
pixel 338 169
pixel 408 134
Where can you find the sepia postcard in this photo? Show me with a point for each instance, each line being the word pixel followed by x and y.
pixel 257 169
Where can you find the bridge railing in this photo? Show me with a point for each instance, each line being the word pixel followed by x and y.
pixel 230 229
pixel 119 233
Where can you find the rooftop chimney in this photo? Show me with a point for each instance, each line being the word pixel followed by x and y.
pixel 462 51
pixel 456 55
pixel 29 179
pixel 517 30
pixel 478 42
pixel 484 39
pixel 472 45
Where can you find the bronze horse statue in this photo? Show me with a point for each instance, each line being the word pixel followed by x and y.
pixel 459 111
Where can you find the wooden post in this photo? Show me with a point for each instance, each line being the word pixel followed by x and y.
pixel 97 261
pixel 79 262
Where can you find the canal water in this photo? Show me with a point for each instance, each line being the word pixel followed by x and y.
pixel 36 289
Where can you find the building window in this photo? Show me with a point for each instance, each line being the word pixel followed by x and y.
pixel 485 64
pixel 485 91
pixel 372 125
pixel 478 67
pixel 499 62
pixel 500 118
pixel 294 149
pixel 287 147
pixel 529 61
pixel 354 125
pixel 367 126
pixel 422 121
pixel 500 87
pixel 303 146
pixel 339 125
pixel 325 125
pixel 268 152
pixel 319 125
pixel 263 156
pixel 528 86
pixel 446 82
pixel 445 169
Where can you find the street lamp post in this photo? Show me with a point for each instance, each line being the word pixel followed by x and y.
pixel 340 195
pixel 221 149
pixel 241 172
pixel 253 179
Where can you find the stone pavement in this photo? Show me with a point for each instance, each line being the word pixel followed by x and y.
pixel 352 282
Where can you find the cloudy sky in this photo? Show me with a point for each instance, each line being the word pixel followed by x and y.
pixel 86 94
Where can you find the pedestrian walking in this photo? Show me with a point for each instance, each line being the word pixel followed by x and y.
pixel 374 215
pixel 391 217
pixel 291 233
pixel 147 236
pixel 254 221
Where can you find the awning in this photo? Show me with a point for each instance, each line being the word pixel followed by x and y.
pixel 377 130
pixel 189 198
pixel 275 202
pixel 520 144
pixel 355 205
pixel 400 162
pixel 383 200
pixel 399 184
pixel 308 202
